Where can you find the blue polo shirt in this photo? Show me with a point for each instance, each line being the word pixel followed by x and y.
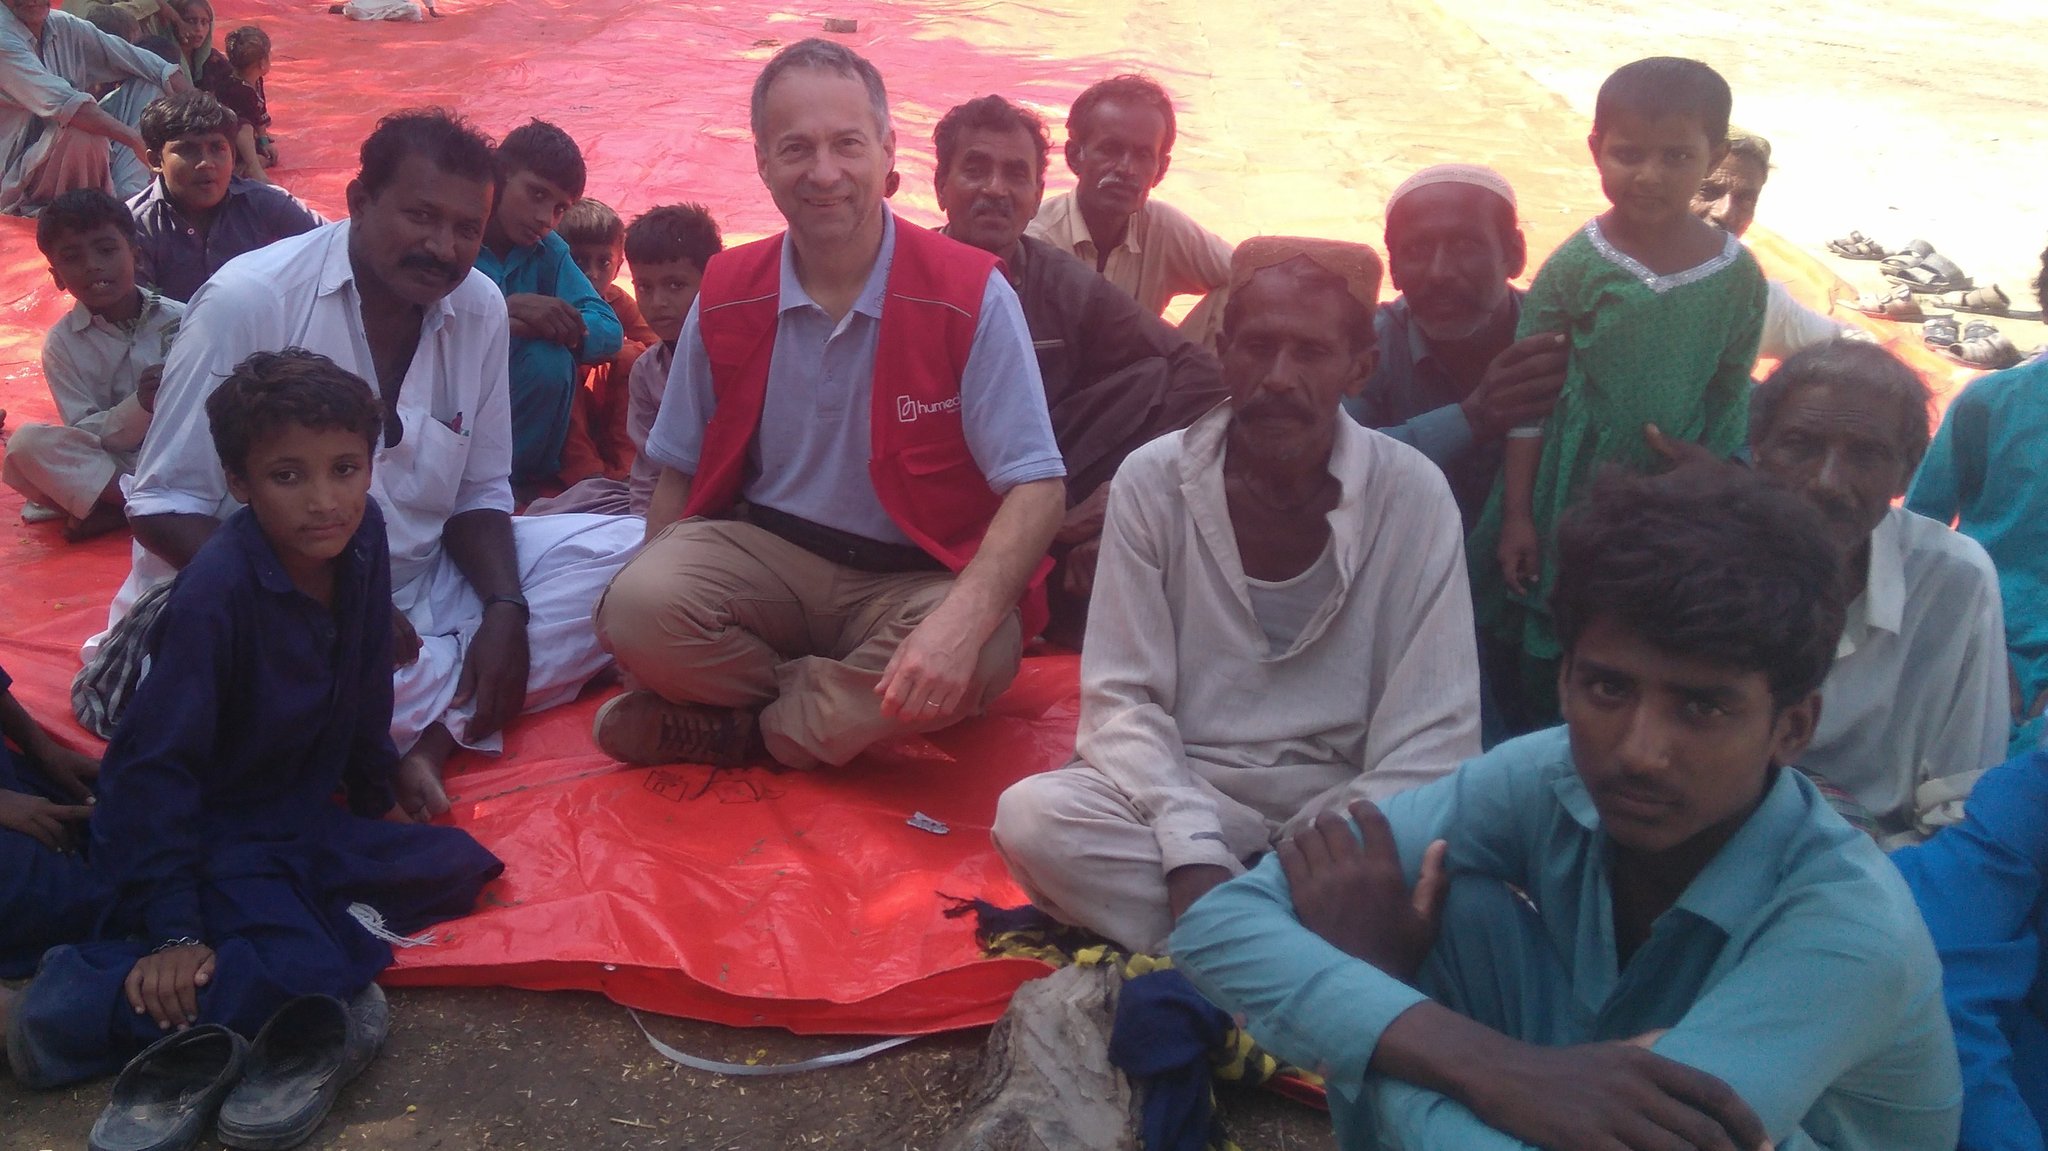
pixel 1795 967
pixel 174 258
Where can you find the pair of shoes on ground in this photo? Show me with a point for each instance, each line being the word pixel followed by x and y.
pixel 640 727
pixel 261 1096
pixel 1917 267
pixel 1977 345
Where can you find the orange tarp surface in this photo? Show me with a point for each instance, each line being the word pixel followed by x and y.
pixel 807 901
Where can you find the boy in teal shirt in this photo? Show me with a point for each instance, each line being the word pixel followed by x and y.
pixel 1635 931
pixel 558 319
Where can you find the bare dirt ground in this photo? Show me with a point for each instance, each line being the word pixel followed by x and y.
pixel 1911 118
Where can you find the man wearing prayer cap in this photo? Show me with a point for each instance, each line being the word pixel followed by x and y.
pixel 1452 378
pixel 1281 622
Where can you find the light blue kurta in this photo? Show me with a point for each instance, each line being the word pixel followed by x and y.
pixel 1987 472
pixel 1795 967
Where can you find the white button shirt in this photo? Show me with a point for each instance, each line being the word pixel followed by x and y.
pixel 1918 689
pixel 455 403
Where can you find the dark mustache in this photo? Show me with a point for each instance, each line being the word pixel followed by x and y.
pixel 420 261
pixel 1259 409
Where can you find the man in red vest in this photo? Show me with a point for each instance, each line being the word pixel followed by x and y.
pixel 859 477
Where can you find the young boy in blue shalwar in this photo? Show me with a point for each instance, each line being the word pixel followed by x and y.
pixel 240 881
pixel 559 321
pixel 47 894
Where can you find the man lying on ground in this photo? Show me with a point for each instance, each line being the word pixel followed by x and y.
pixel 1120 135
pixel 493 615
pixel 1916 705
pixel 856 442
pixel 1116 376
pixel 103 363
pixel 1638 930
pixel 1281 621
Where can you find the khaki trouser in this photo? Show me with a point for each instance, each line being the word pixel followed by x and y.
pixel 1085 855
pixel 727 614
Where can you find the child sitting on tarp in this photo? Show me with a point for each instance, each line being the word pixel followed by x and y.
pixel 240 90
pixel 102 361
pixel 240 882
pixel 666 250
pixel 598 443
pixel 558 319
pixel 47 895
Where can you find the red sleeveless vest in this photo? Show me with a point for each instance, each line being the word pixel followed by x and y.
pixel 918 458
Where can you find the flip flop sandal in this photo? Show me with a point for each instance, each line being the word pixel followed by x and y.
pixel 166 1096
pixel 297 1067
pixel 1857 246
pixel 1978 330
pixel 1940 332
pixel 1936 273
pixel 1991 301
pixel 1898 304
pixel 1991 353
pixel 1914 252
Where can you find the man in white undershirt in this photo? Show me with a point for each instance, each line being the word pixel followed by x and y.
pixel 1281 623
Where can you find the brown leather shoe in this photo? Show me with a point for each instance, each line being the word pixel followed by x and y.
pixel 640 727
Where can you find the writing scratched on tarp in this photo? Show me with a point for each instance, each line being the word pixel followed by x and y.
pixel 723 784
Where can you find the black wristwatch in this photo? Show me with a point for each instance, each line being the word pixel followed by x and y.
pixel 518 601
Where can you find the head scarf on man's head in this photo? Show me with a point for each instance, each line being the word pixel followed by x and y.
pixel 1355 264
pixel 1471 175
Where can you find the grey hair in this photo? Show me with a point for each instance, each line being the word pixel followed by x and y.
pixel 822 56
pixel 1752 147
pixel 1871 372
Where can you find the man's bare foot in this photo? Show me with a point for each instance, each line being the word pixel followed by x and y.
pixel 418 778
pixel 103 519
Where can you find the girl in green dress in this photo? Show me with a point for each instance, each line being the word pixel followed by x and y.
pixel 1662 313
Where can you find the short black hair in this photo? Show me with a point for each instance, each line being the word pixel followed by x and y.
pixel 1858 368
pixel 590 221
pixel 193 113
pixel 1707 561
pixel 245 46
pixel 1127 88
pixel 674 232
pixel 1666 86
pixel 119 23
pixel 991 114
pixel 451 142
pixel 81 210
pixel 545 150
pixel 1358 319
pixel 292 388
pixel 161 45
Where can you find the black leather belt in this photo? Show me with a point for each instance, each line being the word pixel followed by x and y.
pixel 844 548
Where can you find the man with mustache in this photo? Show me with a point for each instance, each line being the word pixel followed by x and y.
pixel 493 612
pixel 859 477
pixel 1281 625
pixel 1452 378
pixel 1120 135
pixel 1916 706
pixel 1115 375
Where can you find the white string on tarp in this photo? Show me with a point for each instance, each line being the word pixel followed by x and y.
pixel 817 1063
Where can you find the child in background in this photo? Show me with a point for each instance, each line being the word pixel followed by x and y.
pixel 241 92
pixel 47 895
pixel 1663 313
pixel 202 65
pixel 240 883
pixel 558 320
pixel 666 250
pixel 197 214
pixel 598 444
pixel 102 362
